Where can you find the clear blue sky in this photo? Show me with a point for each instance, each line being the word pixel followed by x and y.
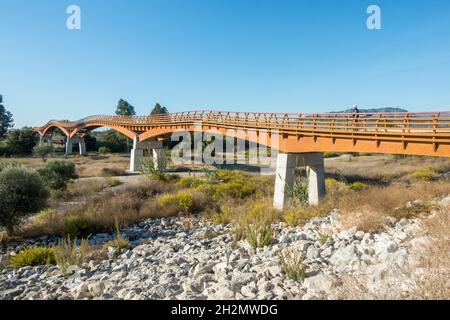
pixel 246 55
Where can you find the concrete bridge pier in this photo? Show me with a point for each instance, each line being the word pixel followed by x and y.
pixel 155 148
pixel 159 154
pixel 82 147
pixel 69 146
pixel 45 139
pixel 136 155
pixel 285 173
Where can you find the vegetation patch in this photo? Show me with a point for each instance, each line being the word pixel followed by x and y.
pixel 426 174
pixel 292 265
pixel 33 257
pixel 181 199
pixel 79 227
pixel 67 253
pixel 112 172
pixel 358 186
pixel 22 193
pixel 43 151
pixel 56 174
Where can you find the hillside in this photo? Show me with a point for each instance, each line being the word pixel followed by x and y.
pixel 373 110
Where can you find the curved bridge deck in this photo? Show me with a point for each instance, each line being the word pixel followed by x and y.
pixel 425 134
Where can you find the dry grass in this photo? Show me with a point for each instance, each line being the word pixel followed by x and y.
pixel 381 169
pixel 83 188
pixel 102 212
pixel 427 276
pixel 369 209
pixel 435 283
pixel 86 166
pixel 112 172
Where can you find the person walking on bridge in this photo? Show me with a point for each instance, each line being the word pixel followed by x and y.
pixel 355 115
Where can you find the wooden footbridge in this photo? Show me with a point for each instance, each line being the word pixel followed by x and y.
pixel 297 135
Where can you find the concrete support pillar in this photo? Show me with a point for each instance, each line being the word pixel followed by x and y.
pixel 316 177
pixel 284 176
pixel 82 146
pixel 159 158
pixel 136 156
pixel 41 140
pixel 69 146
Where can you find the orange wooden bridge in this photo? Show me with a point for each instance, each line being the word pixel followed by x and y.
pixel 305 135
pixel 426 134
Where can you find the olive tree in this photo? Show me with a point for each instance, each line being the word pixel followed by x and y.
pixel 22 193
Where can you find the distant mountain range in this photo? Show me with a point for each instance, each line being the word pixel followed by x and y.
pixel 374 110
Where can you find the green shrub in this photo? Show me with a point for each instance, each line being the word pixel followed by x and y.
pixel 119 243
pixel 43 216
pixel 21 141
pixel 181 199
pixel 104 150
pixel 298 195
pixel 234 190
pixel 78 227
pixel 22 192
pixel 358 186
pixel 255 225
pixel 56 174
pixel 43 150
pixel 292 265
pixel 33 257
pixel 324 235
pixel 225 183
pixel 155 169
pixel 112 182
pixel 335 189
pixel 4 165
pixel 259 236
pixel 67 254
pixel 426 174
pixel 292 217
pixel 5 150
pixel 190 182
pixel 224 216
pixel 298 216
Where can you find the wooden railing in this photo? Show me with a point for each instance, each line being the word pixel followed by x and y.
pixel 430 124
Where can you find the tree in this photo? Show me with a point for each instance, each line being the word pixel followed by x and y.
pixel 21 141
pixel 91 142
pixel 6 119
pixel 159 110
pixel 124 108
pixel 56 174
pixel 22 193
pixel 43 150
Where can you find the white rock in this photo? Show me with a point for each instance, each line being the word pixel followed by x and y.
pixel 274 270
pixel 96 288
pixel 318 283
pixel 343 256
pixel 312 253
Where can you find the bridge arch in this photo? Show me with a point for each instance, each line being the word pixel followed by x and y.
pixel 258 137
pixel 92 126
pixel 52 127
